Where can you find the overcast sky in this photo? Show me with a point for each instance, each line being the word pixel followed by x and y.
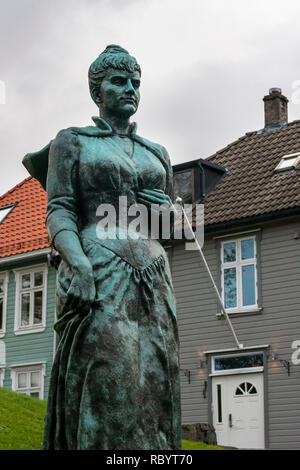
pixel 206 65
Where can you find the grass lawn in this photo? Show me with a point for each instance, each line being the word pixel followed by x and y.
pixel 197 445
pixel 21 421
pixel 22 424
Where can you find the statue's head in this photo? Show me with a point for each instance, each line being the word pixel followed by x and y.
pixel 114 68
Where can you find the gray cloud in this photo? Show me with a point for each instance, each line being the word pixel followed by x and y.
pixel 206 67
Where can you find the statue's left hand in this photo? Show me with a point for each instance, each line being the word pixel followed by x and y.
pixel 153 196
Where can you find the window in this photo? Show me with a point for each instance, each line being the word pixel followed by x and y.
pixel 31 288
pixel 241 363
pixel 288 162
pixel 238 362
pixel 3 297
pixel 219 396
pixel 246 388
pixel 239 274
pixel 184 185
pixel 4 211
pixel 29 380
pixel 1 377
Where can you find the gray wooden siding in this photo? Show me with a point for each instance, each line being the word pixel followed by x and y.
pixel 32 347
pixel 278 324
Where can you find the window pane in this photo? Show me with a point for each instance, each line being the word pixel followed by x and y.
pixel 25 301
pixel 219 403
pixel 35 394
pixel 22 380
pixel 183 186
pixel 35 379
pixel 38 279
pixel 230 287
pixel 38 301
pixel 1 313
pixel 248 280
pixel 252 390
pixel 247 248
pixel 26 281
pixel 239 362
pixel 1 286
pixel 287 162
pixel 229 250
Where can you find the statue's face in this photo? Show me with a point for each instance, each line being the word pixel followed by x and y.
pixel 119 92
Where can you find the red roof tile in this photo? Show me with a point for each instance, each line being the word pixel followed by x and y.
pixel 23 229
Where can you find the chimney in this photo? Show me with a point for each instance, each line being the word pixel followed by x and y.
pixel 276 109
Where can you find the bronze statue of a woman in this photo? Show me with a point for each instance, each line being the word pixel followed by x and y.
pixel 115 378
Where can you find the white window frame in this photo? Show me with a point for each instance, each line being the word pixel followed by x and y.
pixel 238 263
pixel 2 371
pixel 27 368
pixel 295 164
pixel 4 276
pixel 244 370
pixel 31 328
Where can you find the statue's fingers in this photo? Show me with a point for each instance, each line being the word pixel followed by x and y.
pixel 161 196
pixel 151 199
pixel 153 191
pixel 150 204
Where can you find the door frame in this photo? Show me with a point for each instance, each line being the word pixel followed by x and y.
pixel 238 352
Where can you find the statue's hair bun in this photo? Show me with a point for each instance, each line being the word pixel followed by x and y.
pixel 114 49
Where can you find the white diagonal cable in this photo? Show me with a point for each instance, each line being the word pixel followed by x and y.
pixel 239 345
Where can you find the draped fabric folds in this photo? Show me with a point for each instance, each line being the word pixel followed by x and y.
pixel 115 378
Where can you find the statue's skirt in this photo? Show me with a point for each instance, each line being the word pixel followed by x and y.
pixel 115 378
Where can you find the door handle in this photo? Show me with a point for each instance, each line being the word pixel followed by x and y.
pixel 230 420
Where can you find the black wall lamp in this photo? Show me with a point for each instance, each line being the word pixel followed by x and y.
pixel 187 374
pixel 284 362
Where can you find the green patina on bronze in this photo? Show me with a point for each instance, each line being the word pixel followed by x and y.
pixel 115 378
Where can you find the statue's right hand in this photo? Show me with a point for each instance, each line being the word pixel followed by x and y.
pixel 82 292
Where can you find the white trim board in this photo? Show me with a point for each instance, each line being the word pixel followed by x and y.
pixel 236 233
pixel 22 256
pixel 5 276
pixel 246 348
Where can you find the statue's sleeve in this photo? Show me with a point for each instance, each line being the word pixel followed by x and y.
pixel 169 180
pixel 62 207
pixel 169 191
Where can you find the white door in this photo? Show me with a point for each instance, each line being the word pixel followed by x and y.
pixel 238 410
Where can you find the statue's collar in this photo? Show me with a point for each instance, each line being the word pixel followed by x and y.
pixel 106 129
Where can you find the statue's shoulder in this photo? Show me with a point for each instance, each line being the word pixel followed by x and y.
pixel 36 163
pixel 65 143
pixel 71 134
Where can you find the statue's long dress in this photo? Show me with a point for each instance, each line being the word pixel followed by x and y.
pixel 115 379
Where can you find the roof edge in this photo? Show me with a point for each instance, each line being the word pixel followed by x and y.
pixel 15 187
pixel 254 218
pixel 25 255
pixel 250 134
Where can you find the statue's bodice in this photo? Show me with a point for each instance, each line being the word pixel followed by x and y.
pixel 86 172
pixel 108 168
pixel 114 166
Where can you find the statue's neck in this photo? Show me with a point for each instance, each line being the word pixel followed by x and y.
pixel 119 124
